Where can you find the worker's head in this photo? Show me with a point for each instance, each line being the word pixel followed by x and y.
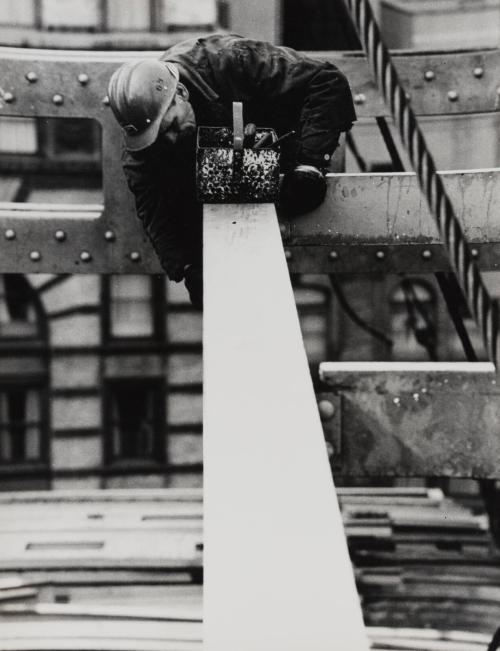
pixel 150 103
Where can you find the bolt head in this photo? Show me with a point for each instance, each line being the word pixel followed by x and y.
pixel 330 449
pixel 109 236
pixel 8 97
pixel 10 234
pixel 135 256
pixel 60 235
pixel 478 72
pixel 326 409
pixel 35 256
pixel 85 256
pixel 359 98
pixel 31 76
pixel 83 78
pixel 429 75
pixel 452 95
pixel 58 99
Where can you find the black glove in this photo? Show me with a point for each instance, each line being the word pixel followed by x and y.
pixel 193 279
pixel 302 190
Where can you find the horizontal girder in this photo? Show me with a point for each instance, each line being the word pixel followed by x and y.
pixel 368 222
pixel 415 419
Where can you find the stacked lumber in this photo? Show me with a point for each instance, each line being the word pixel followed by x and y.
pixel 422 561
pixel 111 537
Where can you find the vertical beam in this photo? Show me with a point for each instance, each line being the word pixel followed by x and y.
pixel 277 570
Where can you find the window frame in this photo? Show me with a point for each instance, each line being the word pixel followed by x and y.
pixel 160 430
pixel 158 309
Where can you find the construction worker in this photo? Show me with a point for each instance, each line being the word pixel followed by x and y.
pixel 160 102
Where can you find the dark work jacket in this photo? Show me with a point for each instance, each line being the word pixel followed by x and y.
pixel 279 88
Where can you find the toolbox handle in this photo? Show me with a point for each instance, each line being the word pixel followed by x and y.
pixel 238 129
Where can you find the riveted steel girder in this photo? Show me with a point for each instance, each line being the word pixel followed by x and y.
pixel 369 222
pixel 417 419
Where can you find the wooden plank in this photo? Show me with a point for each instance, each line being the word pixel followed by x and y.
pixel 269 496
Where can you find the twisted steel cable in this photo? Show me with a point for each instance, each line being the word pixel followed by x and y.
pixel 482 306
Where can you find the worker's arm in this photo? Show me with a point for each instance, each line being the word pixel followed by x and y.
pixel 158 218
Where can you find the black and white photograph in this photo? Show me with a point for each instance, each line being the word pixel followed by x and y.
pixel 249 319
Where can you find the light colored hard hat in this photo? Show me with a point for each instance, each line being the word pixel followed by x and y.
pixel 140 93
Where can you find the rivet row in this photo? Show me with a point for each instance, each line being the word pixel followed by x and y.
pixel 32 77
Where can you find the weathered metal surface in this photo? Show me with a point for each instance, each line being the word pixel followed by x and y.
pixel 414 419
pixel 381 222
pixel 451 72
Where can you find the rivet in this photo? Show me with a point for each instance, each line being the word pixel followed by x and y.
pixel 326 409
pixel 109 236
pixel 330 449
pixel 31 76
pixel 333 255
pixel 452 95
pixel 83 78
pixel 478 72
pixel 380 255
pixel 135 256
pixel 60 235
pixel 85 256
pixel 426 254
pixel 423 390
pixel 474 253
pixel 416 397
pixel 10 234
pixel 58 99
pixel 283 229
pixel 429 75
pixel 105 101
pixel 408 96
pixel 396 400
pixel 288 254
pixel 35 256
pixel 8 97
pixel 359 98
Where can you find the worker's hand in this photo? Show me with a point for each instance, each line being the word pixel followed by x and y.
pixel 193 279
pixel 302 190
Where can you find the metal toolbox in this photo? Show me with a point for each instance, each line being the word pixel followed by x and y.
pixel 228 172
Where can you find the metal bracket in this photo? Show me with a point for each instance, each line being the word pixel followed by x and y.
pixel 330 413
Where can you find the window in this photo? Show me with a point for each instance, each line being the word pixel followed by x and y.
pixel 135 306
pixel 18 136
pixel 71 138
pixel 20 424
pixel 18 312
pixel 71 14
pixel 136 419
pixel 182 15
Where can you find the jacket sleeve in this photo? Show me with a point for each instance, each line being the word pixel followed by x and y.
pixel 156 213
pixel 261 71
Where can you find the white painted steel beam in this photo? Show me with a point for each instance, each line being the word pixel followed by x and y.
pixel 277 571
